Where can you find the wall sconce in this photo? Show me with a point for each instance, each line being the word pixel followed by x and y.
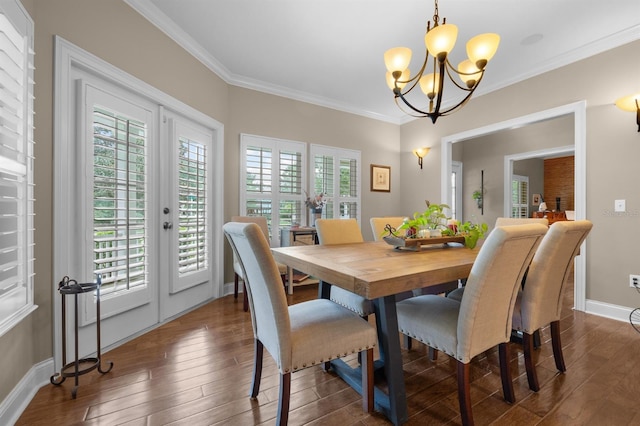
pixel 420 153
pixel 631 103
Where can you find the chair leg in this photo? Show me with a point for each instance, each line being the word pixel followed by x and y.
pixel 505 372
pixel 367 380
pixel 258 350
pixel 557 346
pixel 433 354
pixel 532 376
pixel 464 394
pixel 537 340
pixel 245 298
pixel 235 286
pixel 283 401
pixel 407 342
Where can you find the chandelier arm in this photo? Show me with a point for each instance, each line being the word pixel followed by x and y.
pixel 422 114
pixel 450 68
pixel 436 111
pixel 416 78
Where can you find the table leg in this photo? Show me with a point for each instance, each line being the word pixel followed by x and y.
pixel 290 280
pixel 390 354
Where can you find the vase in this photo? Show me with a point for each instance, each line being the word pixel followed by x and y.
pixel 313 215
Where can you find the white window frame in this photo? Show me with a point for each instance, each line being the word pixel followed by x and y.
pixel 274 196
pixel 17 302
pixel 338 154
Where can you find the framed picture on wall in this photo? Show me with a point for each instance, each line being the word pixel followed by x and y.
pixel 380 178
pixel 535 200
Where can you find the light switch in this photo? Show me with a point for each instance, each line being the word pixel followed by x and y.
pixel 620 205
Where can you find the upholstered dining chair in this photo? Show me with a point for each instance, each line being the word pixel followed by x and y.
pixel 539 301
pixel 484 317
pixel 378 225
pixel 508 221
pixel 299 336
pixel 261 221
pixel 343 231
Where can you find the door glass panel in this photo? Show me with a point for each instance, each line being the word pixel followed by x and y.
pixel 119 201
pixel 192 196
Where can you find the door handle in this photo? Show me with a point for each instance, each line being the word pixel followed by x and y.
pixel 167 225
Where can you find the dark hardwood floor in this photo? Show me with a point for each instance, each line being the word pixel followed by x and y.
pixel 196 370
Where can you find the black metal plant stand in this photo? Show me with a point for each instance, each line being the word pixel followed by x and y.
pixel 82 366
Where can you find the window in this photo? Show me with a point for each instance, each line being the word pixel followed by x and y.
pixel 272 181
pixel 520 196
pixel 336 173
pixel 16 165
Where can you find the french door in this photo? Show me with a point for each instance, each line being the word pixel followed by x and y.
pixel 141 190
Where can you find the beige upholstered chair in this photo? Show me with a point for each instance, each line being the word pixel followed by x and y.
pixel 540 300
pixel 378 224
pixel 508 221
pixel 484 317
pixel 301 335
pixel 343 231
pixel 261 221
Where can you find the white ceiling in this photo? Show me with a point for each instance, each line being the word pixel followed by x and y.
pixel 329 52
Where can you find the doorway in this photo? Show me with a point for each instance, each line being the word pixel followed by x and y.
pixel 578 111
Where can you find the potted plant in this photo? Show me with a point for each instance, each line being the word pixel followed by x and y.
pixel 472 232
pixel 477 195
pixel 432 221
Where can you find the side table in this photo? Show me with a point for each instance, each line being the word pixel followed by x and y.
pixel 82 366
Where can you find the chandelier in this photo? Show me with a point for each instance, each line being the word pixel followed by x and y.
pixel 439 42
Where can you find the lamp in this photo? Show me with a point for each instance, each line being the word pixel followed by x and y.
pixel 420 153
pixel 631 103
pixel 439 41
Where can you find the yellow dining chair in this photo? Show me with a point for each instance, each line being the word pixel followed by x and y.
pixel 484 317
pixel 379 223
pixel 343 231
pixel 299 336
pixel 261 221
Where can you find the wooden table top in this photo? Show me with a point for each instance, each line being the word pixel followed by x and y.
pixel 376 269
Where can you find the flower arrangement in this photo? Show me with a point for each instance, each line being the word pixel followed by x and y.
pixel 315 203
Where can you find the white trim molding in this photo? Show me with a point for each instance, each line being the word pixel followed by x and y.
pixel 21 395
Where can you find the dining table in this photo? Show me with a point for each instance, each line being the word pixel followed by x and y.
pixel 379 272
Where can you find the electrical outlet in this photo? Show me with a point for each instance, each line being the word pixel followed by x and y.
pixel 634 281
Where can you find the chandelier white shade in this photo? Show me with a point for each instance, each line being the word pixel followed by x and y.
pixel 439 41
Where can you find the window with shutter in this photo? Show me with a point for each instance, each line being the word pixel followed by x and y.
pixel 520 196
pixel 16 165
pixel 272 181
pixel 336 173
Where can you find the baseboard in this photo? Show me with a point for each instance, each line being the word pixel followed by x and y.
pixel 608 310
pixel 17 401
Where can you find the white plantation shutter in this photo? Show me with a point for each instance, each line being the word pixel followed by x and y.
pixel 520 196
pixel 119 203
pixel 192 205
pixel 336 173
pixel 16 166
pixel 272 181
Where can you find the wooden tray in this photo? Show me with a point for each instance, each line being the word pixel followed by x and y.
pixel 417 243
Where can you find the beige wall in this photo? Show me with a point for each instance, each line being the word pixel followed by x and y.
pixel 140 49
pixel 613 147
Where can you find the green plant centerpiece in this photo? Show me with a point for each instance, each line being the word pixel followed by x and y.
pixel 472 232
pixel 432 221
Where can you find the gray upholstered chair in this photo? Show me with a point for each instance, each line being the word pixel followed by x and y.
pixel 299 336
pixel 343 231
pixel 379 223
pixel 484 317
pixel 261 221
